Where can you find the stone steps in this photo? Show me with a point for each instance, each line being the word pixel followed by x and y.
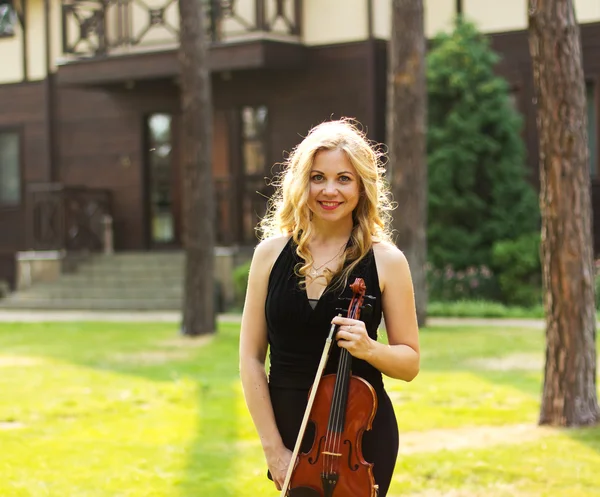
pixel 103 304
pixel 99 293
pixel 124 281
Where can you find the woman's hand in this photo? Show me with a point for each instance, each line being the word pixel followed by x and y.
pixel 352 335
pixel 278 462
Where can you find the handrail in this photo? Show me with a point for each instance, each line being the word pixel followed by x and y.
pixel 61 217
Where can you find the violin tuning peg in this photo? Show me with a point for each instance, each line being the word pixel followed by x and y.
pixel 366 311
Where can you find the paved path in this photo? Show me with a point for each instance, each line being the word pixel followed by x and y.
pixel 24 316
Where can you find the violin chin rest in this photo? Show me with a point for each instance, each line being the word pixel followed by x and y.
pixel 304 492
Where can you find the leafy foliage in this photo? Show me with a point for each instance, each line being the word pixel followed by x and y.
pixel 240 282
pixel 473 283
pixel 478 188
pixel 517 263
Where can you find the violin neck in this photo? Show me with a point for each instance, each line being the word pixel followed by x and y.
pixel 337 415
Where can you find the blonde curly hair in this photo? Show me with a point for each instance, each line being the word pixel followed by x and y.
pixel 288 212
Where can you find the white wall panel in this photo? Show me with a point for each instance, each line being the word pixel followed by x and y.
pixel 334 21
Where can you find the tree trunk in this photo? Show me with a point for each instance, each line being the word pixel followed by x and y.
pixel 406 138
pixel 569 393
pixel 198 190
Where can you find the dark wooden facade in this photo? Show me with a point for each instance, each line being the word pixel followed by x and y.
pixel 101 128
pixel 22 109
pixel 99 125
pixel 95 123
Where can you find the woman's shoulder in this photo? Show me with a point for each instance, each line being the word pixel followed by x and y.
pixel 268 250
pixel 388 256
pixel 272 245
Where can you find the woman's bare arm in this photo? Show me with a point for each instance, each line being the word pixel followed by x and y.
pixel 253 351
pixel 400 359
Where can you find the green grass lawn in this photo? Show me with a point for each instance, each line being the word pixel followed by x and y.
pixel 89 409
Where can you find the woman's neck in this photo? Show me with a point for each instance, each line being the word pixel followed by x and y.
pixel 330 233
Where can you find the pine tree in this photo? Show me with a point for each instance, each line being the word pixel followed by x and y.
pixel 199 314
pixel 406 115
pixel 569 395
pixel 479 193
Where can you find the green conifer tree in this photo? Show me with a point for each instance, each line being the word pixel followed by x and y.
pixel 479 193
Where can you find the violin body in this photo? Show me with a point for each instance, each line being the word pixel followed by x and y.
pixel 338 454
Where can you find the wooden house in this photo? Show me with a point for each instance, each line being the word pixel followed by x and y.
pixel 90 118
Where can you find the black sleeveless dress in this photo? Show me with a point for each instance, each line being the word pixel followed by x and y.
pixel 296 335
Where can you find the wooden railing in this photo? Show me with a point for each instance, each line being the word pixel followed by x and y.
pixel 66 218
pixel 92 28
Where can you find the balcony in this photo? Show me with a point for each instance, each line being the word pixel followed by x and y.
pixel 244 34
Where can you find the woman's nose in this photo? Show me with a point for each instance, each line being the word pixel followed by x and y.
pixel 330 188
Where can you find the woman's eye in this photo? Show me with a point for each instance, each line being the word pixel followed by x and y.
pixel 345 179
pixel 317 177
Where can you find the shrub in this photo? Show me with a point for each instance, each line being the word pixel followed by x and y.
pixel 482 309
pixel 473 283
pixel 597 282
pixel 517 264
pixel 478 187
pixel 240 283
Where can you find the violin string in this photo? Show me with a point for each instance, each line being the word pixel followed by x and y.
pixel 335 423
pixel 341 404
pixel 346 385
pixel 338 407
pixel 336 414
pixel 342 384
pixel 332 427
pixel 334 435
pixel 329 442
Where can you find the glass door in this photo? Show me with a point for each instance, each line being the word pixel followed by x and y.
pixel 162 180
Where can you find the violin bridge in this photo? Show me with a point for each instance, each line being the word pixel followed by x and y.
pixel 331 454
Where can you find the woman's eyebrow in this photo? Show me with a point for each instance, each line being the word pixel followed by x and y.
pixel 339 174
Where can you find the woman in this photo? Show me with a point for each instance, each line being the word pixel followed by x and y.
pixel 326 225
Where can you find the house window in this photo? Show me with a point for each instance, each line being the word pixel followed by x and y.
pixel 160 170
pixel 254 141
pixel 254 135
pixel 8 18
pixel 10 170
pixel 592 128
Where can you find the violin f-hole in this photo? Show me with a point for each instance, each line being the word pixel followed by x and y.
pixel 355 466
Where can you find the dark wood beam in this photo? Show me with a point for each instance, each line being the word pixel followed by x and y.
pixel 24 42
pixel 50 97
pixel 370 19
pixel 459 7
pixel 256 54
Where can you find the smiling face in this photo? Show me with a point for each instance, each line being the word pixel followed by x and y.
pixel 334 187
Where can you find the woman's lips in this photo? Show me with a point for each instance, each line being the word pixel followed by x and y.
pixel 329 206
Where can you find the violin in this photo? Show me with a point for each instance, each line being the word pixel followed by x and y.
pixel 342 407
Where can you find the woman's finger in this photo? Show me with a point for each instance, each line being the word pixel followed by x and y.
pixel 344 321
pixel 344 335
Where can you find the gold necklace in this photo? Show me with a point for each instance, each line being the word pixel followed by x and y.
pixel 315 272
